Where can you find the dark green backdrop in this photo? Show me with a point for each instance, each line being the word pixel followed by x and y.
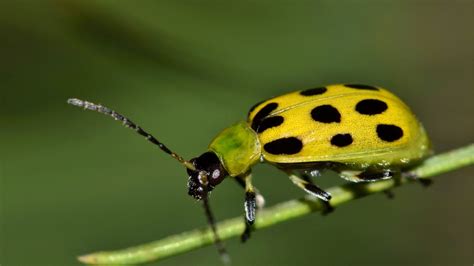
pixel 74 182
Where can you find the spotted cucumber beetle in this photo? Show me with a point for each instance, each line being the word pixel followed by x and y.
pixel 362 132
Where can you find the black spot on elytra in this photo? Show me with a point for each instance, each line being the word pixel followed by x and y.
pixel 326 114
pixel 314 91
pixel 341 140
pixel 389 132
pixel 288 146
pixel 361 87
pixel 269 122
pixel 254 106
pixel 264 112
pixel 371 107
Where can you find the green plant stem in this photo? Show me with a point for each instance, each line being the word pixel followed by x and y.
pixel 186 241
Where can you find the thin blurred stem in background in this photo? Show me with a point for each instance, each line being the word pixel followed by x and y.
pixel 187 241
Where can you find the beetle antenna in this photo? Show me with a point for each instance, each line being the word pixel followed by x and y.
pixel 210 219
pixel 128 123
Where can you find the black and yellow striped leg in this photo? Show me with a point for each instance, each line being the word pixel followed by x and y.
pixel 373 175
pixel 310 188
pixel 260 200
pixel 307 185
pixel 250 206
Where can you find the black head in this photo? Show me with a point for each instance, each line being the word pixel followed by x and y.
pixel 212 173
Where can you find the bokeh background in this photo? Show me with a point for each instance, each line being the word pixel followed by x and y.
pixel 73 182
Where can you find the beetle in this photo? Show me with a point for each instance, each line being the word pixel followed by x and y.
pixel 364 133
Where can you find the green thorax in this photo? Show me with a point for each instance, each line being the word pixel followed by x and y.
pixel 237 147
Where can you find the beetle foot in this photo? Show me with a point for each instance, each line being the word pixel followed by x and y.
pixel 327 208
pixel 247 232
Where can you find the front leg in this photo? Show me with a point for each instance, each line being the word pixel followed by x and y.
pixel 260 200
pixel 250 205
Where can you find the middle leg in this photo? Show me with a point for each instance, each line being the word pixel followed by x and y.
pixel 309 187
pixel 327 206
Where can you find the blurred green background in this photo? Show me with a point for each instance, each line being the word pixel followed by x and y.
pixel 73 182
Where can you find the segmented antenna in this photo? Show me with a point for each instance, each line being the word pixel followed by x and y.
pixel 128 123
pixel 217 241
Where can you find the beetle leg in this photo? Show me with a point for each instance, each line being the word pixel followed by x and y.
pixel 250 205
pixel 367 175
pixel 309 187
pixel 314 190
pixel 371 175
pixel 260 200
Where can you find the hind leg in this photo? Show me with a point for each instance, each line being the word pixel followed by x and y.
pixel 371 175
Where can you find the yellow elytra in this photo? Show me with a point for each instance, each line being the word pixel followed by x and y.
pixel 373 126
